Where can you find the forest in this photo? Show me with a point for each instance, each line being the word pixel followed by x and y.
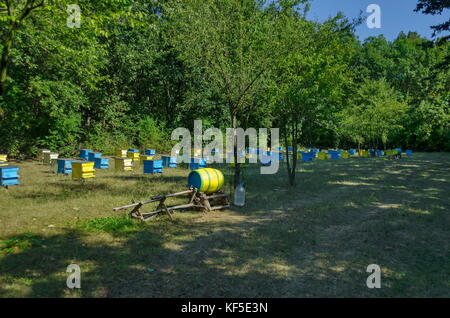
pixel 134 70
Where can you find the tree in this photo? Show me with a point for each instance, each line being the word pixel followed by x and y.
pixel 376 115
pixel 310 78
pixel 229 44
pixel 12 15
pixel 435 7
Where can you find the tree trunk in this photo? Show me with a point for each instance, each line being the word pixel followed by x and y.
pixel 237 165
pixel 4 61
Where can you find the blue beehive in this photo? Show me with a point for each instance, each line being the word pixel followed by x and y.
pixel 9 175
pixel 399 150
pixel 308 156
pixel 280 156
pixel 352 152
pixel 290 149
pixel 169 162
pixel 409 153
pixel 64 166
pixel 150 152
pixel 93 155
pixel 84 154
pixel 335 154
pixel 101 163
pixel 380 153
pixel 197 164
pixel 153 166
pixel 266 160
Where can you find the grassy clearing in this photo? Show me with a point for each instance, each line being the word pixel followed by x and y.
pixel 314 240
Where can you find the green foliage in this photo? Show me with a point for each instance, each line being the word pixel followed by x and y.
pixel 137 69
pixel 19 243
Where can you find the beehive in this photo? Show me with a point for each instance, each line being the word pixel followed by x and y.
pixel 121 153
pixel 307 156
pixel 84 154
pixel 363 153
pixel 265 160
pixel 150 152
pixel 145 157
pixel 3 158
pixel 123 164
pixel 197 164
pixel 93 155
pixel 82 170
pixel 169 162
pixel 345 155
pixel 409 153
pixel 352 152
pixel 9 175
pixel 153 166
pixel 322 156
pixel 40 154
pixel 64 166
pixel 101 163
pixel 49 156
pixel 133 154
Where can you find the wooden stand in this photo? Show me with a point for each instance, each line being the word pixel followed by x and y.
pixel 197 200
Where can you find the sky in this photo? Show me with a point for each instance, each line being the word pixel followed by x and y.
pixel 396 16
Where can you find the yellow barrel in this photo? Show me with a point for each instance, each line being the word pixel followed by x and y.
pixel 206 180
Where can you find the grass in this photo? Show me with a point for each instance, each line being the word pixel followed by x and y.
pixel 315 240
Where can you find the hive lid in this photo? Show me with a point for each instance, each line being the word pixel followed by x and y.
pixel 9 167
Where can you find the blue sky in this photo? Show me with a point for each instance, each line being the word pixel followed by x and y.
pixel 396 16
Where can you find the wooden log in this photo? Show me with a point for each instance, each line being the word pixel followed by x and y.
pixel 153 200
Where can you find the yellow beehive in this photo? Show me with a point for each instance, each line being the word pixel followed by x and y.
pixel 133 155
pixel 49 156
pixel 123 164
pixel 121 153
pixel 145 157
pixel 345 155
pixel 322 156
pixel 3 158
pixel 363 153
pixel 83 170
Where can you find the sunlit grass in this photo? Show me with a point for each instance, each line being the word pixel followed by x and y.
pixel 309 241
